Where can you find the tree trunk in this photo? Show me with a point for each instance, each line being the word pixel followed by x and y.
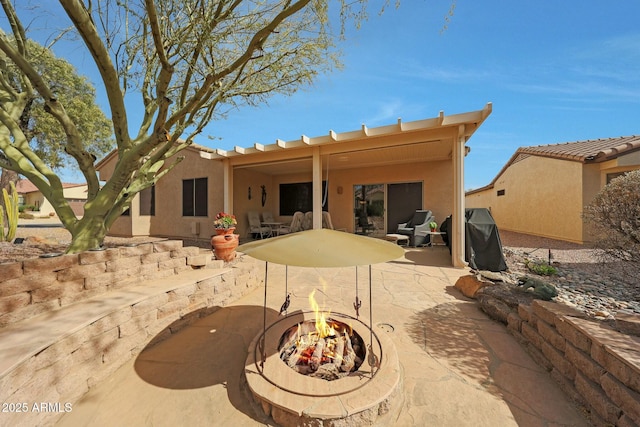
pixel 88 233
pixel 7 177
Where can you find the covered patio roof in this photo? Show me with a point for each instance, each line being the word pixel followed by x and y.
pixel 397 143
pixel 433 139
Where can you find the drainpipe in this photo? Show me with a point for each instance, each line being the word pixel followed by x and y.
pixel 457 221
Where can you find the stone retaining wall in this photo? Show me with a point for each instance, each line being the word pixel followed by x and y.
pixel 596 365
pixel 38 285
pixel 41 387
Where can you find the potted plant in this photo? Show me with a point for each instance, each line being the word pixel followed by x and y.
pixel 225 223
pixel 433 226
pixel 224 242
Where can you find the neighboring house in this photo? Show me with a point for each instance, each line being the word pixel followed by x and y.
pixel 413 165
pixel 75 194
pixel 543 190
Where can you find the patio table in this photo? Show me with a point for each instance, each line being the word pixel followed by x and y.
pixel 274 225
pixel 435 233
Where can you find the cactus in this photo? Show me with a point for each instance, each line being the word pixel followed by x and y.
pixel 2 239
pixel 11 206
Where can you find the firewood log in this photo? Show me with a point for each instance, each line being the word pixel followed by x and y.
pixel 316 358
pixel 348 361
pixel 328 372
pixel 293 359
pixel 338 351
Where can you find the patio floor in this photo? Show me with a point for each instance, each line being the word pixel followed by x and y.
pixel 460 368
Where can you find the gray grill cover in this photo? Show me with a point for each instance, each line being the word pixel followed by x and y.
pixel 483 245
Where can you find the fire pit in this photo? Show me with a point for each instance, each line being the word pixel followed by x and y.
pixel 329 352
pixel 323 369
pixel 292 399
pixel 323 348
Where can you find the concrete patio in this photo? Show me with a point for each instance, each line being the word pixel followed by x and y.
pixel 460 368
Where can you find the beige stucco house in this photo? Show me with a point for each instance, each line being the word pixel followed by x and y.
pixel 403 166
pixel 542 190
pixel 75 194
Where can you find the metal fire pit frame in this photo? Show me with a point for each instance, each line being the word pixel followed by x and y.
pixel 278 373
pixel 292 399
pixel 321 248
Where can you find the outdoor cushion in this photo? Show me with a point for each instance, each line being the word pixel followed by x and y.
pixel 417 227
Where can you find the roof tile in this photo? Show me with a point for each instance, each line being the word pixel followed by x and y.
pixel 590 150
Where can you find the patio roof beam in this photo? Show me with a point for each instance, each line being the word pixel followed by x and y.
pixel 440 127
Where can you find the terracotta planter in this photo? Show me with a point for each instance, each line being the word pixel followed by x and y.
pixel 224 244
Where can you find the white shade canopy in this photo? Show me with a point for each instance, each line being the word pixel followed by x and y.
pixel 322 248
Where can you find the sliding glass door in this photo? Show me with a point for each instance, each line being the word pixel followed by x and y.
pixel 369 209
pixel 379 208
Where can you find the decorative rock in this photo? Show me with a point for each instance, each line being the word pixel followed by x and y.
pixel 599 294
pixel 495 308
pixel 493 276
pixel 509 294
pixel 39 240
pixel 541 289
pixel 469 285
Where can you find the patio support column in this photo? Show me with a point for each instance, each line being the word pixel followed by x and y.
pixel 227 186
pixel 457 223
pixel 317 189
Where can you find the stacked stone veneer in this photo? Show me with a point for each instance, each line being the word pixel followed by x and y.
pixel 596 365
pixel 38 285
pixel 152 290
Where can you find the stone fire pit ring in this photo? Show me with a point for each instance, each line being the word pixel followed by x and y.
pixel 292 399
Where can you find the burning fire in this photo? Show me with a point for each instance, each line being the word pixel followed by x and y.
pixel 323 348
pixel 323 328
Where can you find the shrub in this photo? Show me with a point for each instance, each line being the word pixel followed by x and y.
pixel 23 208
pixel 614 217
pixel 541 269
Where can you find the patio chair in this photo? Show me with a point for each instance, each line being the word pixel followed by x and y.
pixel 326 220
pixel 295 226
pixel 327 223
pixel 255 226
pixel 417 228
pixel 267 217
pixel 307 222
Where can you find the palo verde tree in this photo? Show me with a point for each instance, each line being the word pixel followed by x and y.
pixel 188 61
pixel 45 135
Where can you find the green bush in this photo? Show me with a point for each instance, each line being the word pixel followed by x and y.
pixel 614 218
pixel 23 208
pixel 541 269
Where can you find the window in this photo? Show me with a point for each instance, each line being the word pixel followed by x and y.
pixel 299 197
pixel 614 175
pixel 148 201
pixel 500 192
pixel 194 197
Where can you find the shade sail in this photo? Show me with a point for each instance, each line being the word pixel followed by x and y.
pixel 322 248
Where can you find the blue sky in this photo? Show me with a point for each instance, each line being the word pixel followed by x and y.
pixel 554 71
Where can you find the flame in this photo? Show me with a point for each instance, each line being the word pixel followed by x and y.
pixel 323 328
